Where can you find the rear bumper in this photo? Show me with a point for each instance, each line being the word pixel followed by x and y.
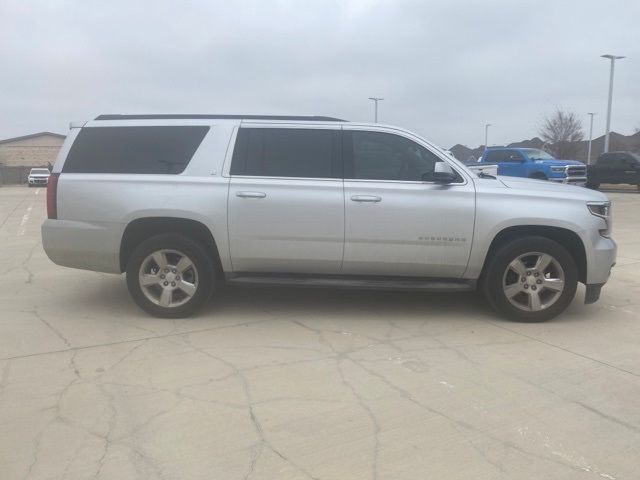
pixel 88 246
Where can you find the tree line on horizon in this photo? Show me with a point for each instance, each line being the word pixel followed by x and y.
pixel 562 134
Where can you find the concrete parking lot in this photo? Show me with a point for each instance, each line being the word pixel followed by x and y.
pixel 321 384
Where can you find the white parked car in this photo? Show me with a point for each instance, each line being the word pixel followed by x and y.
pixel 183 203
pixel 39 176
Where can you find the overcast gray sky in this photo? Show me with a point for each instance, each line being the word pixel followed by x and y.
pixel 445 68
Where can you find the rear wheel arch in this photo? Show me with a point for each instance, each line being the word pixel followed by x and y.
pixel 570 240
pixel 141 229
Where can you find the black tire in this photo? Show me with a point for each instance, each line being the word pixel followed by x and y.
pixel 179 243
pixel 492 281
pixel 538 176
pixel 593 186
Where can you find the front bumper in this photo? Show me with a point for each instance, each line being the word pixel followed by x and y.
pixel 38 181
pixel 601 258
pixel 579 181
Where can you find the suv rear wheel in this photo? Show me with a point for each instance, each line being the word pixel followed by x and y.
pixel 170 276
pixel 531 279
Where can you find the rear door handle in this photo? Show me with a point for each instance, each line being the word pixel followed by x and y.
pixel 251 194
pixel 366 198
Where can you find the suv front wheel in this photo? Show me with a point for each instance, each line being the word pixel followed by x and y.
pixel 531 279
pixel 170 276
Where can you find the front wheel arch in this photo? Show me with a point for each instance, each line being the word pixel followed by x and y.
pixel 565 237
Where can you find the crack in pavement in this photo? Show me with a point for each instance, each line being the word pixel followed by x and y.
pixel 564 349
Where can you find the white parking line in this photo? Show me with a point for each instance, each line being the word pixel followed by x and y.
pixel 25 219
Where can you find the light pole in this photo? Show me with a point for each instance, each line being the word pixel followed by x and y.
pixel 376 100
pixel 591 114
pixel 486 135
pixel 613 59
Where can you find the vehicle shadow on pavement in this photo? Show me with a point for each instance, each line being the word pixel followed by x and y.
pixel 108 297
pixel 301 301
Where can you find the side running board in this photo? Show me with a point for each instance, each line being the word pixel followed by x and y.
pixel 357 282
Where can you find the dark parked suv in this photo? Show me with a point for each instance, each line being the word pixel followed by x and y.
pixel 614 167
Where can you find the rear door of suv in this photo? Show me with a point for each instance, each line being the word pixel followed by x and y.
pixel 286 202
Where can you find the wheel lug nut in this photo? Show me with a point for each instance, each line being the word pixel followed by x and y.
pixel 538 282
pixel 529 273
pixel 174 270
pixel 166 283
pixel 536 274
pixel 524 279
pixel 166 270
pixel 533 287
pixel 178 277
pixel 173 284
pixel 162 276
pixel 526 286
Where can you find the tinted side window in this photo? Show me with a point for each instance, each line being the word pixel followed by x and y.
pixel 384 156
pixel 494 156
pixel 627 159
pixel 165 149
pixel 287 152
pixel 611 159
pixel 512 156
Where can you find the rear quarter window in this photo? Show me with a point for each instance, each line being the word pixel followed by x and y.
pixel 143 150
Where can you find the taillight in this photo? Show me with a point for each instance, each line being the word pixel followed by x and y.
pixel 52 196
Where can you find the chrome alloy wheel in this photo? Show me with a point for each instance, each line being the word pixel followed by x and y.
pixel 168 278
pixel 533 281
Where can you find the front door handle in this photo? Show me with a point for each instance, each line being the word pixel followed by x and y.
pixel 251 194
pixel 366 198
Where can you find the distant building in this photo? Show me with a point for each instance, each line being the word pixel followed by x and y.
pixel 35 150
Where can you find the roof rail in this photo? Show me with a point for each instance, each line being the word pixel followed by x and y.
pixel 119 116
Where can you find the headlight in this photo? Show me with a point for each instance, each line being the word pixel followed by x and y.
pixel 602 210
pixel 558 169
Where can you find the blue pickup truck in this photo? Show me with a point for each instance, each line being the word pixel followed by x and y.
pixel 534 163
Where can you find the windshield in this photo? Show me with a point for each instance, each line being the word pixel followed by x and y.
pixel 538 155
pixel 39 170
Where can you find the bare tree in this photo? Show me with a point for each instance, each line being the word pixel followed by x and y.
pixel 561 132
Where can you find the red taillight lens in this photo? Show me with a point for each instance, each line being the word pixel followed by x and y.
pixel 52 196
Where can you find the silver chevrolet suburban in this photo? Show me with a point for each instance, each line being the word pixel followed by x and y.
pixel 183 203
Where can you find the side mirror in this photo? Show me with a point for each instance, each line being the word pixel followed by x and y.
pixel 442 173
